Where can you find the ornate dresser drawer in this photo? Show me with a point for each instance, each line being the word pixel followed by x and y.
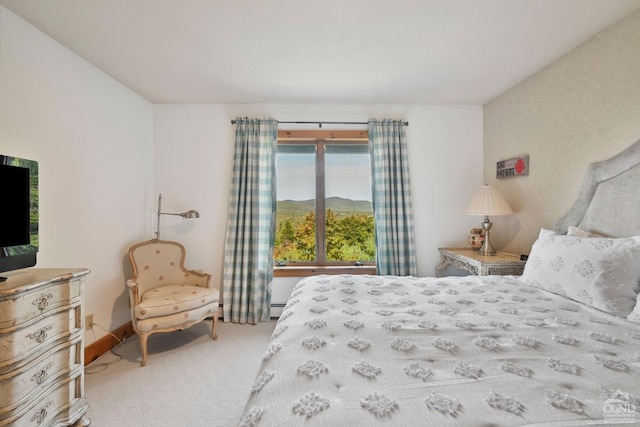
pixel 42 348
pixel 26 306
pixel 16 387
pixel 46 411
pixel 19 346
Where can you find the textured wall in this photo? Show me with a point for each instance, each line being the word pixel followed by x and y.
pixel 582 108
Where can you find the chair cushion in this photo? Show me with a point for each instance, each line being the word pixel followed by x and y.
pixel 177 321
pixel 171 299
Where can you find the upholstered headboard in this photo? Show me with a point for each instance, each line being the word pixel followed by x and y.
pixel 609 200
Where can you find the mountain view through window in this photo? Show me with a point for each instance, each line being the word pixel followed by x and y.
pixel 324 209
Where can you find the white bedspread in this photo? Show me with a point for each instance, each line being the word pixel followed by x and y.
pixel 373 350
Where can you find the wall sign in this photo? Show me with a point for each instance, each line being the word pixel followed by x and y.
pixel 512 167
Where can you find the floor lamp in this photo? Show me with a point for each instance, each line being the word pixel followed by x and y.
pixel 185 215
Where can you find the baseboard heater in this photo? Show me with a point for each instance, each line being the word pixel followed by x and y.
pixel 276 309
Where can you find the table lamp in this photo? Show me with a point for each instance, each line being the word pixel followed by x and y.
pixel 486 201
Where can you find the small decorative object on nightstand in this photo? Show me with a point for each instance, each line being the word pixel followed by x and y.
pixel 501 263
pixel 476 238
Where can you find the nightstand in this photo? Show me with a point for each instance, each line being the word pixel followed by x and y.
pixel 501 263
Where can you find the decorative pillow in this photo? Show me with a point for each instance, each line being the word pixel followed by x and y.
pixel 635 314
pixel 575 231
pixel 546 233
pixel 601 272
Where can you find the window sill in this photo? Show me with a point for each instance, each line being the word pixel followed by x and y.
pixel 309 270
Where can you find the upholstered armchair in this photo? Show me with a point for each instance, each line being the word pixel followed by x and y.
pixel 164 296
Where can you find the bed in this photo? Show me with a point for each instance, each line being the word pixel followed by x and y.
pixel 557 346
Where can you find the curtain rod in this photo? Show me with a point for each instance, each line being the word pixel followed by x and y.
pixel 406 123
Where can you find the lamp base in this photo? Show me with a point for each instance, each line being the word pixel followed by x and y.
pixel 486 249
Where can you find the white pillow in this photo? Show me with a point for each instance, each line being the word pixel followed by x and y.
pixel 635 314
pixel 601 272
pixel 546 233
pixel 575 231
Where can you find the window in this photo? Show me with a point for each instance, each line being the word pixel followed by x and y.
pixel 324 210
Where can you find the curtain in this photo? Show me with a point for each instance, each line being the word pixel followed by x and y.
pixel 392 208
pixel 248 264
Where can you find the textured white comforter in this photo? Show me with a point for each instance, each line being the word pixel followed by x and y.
pixel 405 351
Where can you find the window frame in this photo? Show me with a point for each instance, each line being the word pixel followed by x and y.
pixel 320 138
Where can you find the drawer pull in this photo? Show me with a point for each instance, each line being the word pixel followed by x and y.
pixel 42 302
pixel 42 375
pixel 41 334
pixel 41 415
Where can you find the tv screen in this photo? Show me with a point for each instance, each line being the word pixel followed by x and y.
pixel 19 207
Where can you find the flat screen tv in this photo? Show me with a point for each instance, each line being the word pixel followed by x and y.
pixel 19 208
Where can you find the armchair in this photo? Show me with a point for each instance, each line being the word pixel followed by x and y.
pixel 164 296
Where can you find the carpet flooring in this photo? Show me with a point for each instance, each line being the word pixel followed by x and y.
pixel 190 380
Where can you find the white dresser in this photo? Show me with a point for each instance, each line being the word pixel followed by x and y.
pixel 41 348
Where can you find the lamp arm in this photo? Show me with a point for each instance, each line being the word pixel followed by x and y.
pixel 185 215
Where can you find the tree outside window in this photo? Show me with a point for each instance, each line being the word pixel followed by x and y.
pixel 324 209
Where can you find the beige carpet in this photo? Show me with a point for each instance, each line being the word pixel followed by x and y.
pixel 190 380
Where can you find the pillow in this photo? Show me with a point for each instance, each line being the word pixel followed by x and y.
pixel 635 314
pixel 598 271
pixel 546 233
pixel 575 231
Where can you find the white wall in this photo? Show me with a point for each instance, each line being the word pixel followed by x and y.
pixel 582 108
pixel 104 154
pixel 93 140
pixel 194 152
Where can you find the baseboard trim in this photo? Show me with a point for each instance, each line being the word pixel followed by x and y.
pixel 106 343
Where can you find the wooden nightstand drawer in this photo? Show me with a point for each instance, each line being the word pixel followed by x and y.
pixel 502 263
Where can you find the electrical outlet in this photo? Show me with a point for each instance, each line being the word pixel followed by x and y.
pixel 88 322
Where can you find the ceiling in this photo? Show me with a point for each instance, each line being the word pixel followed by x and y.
pixel 320 52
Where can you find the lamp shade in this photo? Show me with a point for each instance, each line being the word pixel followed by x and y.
pixel 487 200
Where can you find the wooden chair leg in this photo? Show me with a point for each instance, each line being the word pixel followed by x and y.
pixel 143 348
pixel 214 334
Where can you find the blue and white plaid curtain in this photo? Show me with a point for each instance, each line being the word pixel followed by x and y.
pixel 248 264
pixel 395 248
